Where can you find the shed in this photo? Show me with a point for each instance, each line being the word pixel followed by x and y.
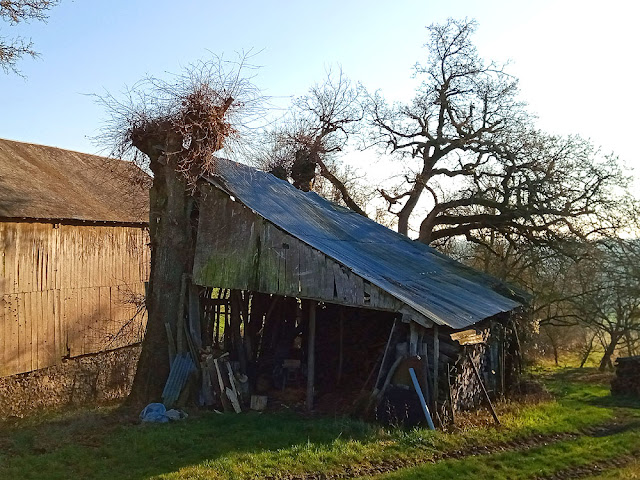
pixel 73 246
pixel 315 284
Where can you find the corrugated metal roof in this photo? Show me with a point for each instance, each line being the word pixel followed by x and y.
pixel 181 368
pixel 43 182
pixel 435 285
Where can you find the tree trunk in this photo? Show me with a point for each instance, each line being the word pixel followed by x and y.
pixel 587 352
pixel 170 232
pixel 605 363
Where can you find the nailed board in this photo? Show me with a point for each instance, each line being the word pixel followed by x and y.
pixel 67 290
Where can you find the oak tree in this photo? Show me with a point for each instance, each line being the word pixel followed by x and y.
pixel 474 165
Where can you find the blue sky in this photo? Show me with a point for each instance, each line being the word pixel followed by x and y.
pixel 576 60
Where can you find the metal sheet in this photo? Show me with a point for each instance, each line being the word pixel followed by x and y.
pixel 435 285
pixel 181 368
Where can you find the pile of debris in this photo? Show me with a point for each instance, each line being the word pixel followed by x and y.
pixel 217 382
pixel 627 379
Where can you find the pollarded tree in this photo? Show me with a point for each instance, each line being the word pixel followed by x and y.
pixel 14 12
pixel 474 162
pixel 174 129
pixel 318 126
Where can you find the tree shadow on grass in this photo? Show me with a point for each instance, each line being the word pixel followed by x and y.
pixel 101 445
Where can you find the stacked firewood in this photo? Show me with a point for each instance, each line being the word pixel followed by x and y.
pixel 627 379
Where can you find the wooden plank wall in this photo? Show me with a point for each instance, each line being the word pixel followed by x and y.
pixel 68 290
pixel 238 249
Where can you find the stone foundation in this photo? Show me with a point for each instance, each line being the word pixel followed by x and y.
pixel 90 379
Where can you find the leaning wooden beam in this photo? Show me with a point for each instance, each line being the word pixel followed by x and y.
pixel 223 397
pixel 484 390
pixel 171 342
pixel 517 338
pixel 377 394
pixel 425 409
pixel 450 396
pixel 311 354
pixel 384 356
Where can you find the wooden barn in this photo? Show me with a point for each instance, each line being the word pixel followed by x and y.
pixel 299 293
pixel 74 255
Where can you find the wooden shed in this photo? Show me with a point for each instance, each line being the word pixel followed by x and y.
pixel 300 290
pixel 73 252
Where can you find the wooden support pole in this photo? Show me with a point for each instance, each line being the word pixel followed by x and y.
pixel 341 353
pixel 311 360
pixel 517 338
pixel 180 340
pixel 436 366
pixel 484 390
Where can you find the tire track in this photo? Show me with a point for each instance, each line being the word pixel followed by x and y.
pixel 520 444
pixel 594 468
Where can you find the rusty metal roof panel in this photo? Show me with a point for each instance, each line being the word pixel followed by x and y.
pixel 435 285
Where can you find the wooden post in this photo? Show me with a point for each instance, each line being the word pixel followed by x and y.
pixel 311 354
pixel 180 340
pixel 341 354
pixel 195 329
pixel 236 331
pixel 450 395
pixel 436 357
pixel 503 336
pixel 413 339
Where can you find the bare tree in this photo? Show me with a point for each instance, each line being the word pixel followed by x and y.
pixel 14 12
pixel 303 147
pixel 174 128
pixel 474 161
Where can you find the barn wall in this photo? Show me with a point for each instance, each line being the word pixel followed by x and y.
pixel 238 249
pixel 67 290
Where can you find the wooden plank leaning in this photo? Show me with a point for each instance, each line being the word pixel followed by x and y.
pixel 484 390
pixel 425 409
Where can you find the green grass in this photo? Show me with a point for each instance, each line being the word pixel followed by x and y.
pixel 101 443
pixel 515 465
pixel 630 472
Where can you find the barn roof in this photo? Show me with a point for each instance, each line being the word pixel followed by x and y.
pixel 43 182
pixel 438 287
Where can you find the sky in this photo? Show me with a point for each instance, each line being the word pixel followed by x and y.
pixel 576 60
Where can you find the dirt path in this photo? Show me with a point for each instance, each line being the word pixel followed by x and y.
pixel 520 444
pixel 592 469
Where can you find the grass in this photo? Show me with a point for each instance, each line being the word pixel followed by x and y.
pixel 104 443
pixel 515 465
